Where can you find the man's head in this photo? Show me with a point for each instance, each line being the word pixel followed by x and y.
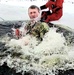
pixel 33 11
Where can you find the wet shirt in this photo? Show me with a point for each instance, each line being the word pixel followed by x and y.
pixel 38 29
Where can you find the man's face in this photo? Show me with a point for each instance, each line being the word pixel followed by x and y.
pixel 33 13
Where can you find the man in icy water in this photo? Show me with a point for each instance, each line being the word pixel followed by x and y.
pixel 34 27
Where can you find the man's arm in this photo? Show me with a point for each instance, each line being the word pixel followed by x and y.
pixel 43 7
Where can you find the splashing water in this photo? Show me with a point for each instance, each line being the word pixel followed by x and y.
pixel 54 52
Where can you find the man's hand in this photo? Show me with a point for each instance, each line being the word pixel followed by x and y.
pixel 43 7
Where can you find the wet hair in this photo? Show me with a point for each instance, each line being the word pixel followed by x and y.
pixel 33 7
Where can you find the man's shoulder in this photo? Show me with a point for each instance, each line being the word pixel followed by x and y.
pixel 38 24
pixel 45 24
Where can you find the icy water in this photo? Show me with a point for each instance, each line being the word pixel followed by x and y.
pixel 55 52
